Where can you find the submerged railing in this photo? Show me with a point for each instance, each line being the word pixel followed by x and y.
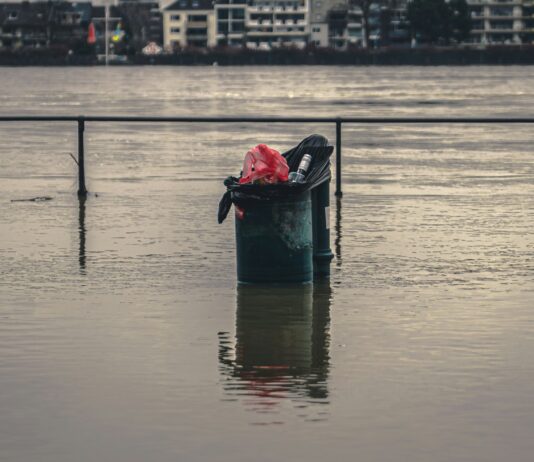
pixel 338 121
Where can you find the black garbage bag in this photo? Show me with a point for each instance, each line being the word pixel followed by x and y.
pixel 319 172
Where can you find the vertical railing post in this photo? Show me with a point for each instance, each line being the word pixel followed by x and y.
pixel 339 193
pixel 82 190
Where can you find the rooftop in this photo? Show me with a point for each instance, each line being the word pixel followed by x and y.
pixel 190 5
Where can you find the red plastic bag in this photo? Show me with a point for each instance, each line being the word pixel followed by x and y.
pixel 264 164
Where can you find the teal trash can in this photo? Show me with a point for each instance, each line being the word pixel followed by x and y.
pixel 274 239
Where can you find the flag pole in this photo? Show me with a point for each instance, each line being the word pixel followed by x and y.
pixel 107 32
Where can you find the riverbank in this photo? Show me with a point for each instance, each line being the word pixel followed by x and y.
pixel 498 55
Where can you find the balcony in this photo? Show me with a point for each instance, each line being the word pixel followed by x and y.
pixel 498 30
pixel 194 34
pixel 197 24
pixel 260 9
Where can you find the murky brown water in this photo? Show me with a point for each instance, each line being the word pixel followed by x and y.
pixel 123 336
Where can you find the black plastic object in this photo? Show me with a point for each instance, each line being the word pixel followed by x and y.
pixel 319 172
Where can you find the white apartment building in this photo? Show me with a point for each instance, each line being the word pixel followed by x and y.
pixel 502 21
pixel 277 23
pixel 189 23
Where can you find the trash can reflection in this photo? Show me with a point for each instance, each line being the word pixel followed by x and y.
pixel 281 345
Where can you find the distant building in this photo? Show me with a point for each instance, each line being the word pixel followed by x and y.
pixel 337 21
pixel 70 22
pixel 230 17
pixel 319 14
pixel 398 32
pixel 258 24
pixel 44 24
pixel 277 23
pixel 502 21
pixel 345 27
pixel 387 25
pixel 189 23
pixel 24 25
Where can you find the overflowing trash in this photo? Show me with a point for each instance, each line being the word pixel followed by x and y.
pixel 268 175
pixel 264 165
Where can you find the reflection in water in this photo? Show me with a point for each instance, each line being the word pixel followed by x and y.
pixel 281 345
pixel 81 231
pixel 337 242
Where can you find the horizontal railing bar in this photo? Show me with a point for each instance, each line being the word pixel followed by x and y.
pixel 436 120
pixel 339 121
pixel 243 119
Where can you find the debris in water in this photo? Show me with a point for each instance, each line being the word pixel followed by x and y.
pixel 33 199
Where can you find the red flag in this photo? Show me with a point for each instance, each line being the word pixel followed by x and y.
pixel 91 35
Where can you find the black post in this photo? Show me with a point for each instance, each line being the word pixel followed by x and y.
pixel 322 255
pixel 339 193
pixel 81 231
pixel 82 190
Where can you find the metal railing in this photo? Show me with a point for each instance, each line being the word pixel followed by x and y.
pixel 338 121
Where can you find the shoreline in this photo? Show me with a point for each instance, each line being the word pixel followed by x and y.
pixel 501 55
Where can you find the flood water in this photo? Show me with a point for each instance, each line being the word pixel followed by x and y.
pixel 123 333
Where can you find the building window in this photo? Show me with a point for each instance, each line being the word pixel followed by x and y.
pixel 501 25
pixel 501 11
pixel 238 14
pixel 196 32
pixel 175 17
pixel 197 18
pixel 175 30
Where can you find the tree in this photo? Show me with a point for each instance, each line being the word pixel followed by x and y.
pixel 438 21
pixel 430 20
pixel 385 24
pixel 460 20
pixel 365 6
